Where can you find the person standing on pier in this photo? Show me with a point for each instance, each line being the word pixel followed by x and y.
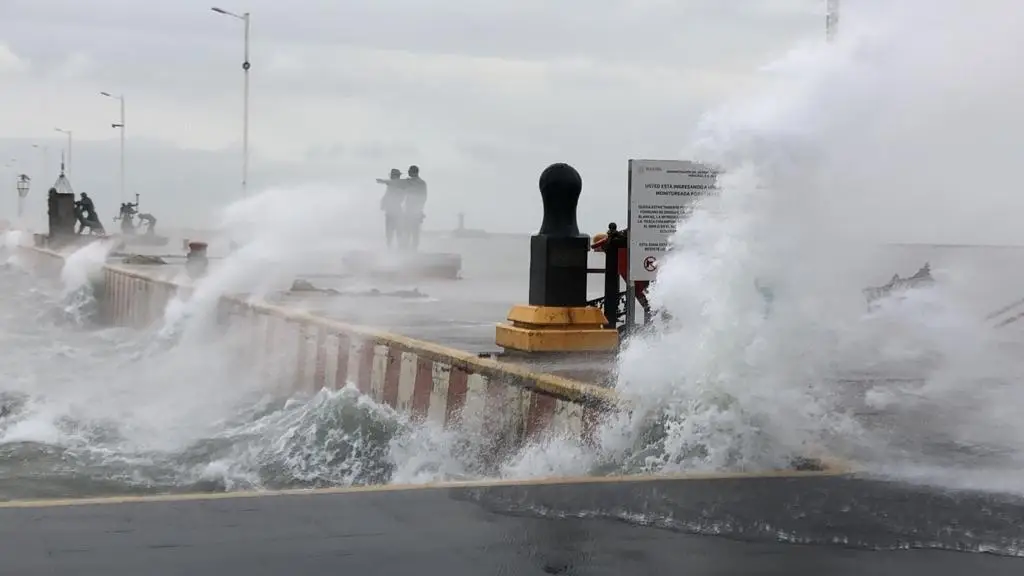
pixel 600 242
pixel 391 204
pixel 415 200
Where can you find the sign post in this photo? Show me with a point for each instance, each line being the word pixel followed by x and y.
pixel 661 194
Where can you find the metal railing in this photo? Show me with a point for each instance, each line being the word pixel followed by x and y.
pixel 613 303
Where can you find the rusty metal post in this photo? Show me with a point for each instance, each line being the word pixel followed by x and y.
pixel 611 275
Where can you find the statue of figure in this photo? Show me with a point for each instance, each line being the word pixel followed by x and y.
pixel 391 204
pixel 150 221
pixel 85 212
pixel 127 217
pixel 415 201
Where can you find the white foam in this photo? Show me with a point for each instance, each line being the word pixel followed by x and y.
pixel 847 148
pixel 838 151
pixel 85 264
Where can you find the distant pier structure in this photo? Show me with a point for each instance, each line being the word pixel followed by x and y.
pixel 61 217
pixel 462 232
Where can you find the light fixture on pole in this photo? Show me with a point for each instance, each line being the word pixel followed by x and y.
pixel 23 184
pixel 245 97
pixel 120 125
pixel 831 20
pixel 68 133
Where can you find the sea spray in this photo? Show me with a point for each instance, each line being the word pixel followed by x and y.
pixel 81 278
pixel 839 152
pixel 824 167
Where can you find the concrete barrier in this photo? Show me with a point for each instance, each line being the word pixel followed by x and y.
pixel 508 403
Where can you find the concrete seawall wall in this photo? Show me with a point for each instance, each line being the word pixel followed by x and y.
pixel 507 403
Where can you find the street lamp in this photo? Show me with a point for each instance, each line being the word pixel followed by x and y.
pixel 68 133
pixel 24 182
pixel 121 126
pixel 245 97
pixel 831 20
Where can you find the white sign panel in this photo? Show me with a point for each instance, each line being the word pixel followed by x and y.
pixel 661 193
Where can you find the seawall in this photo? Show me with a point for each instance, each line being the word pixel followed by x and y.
pixel 505 402
pixel 388 527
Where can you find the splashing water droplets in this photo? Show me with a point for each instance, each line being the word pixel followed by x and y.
pixel 824 168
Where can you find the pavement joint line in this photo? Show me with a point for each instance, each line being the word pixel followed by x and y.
pixel 382 488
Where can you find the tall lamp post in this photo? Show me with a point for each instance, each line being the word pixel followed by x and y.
pixel 23 184
pixel 120 125
pixel 68 133
pixel 831 20
pixel 245 97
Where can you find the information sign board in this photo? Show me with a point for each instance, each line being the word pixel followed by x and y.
pixel 661 193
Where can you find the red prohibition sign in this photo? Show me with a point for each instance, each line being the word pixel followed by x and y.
pixel 650 264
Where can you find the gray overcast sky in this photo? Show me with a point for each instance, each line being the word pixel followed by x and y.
pixel 481 94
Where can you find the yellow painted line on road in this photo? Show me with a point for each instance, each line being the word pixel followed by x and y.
pixel 153 498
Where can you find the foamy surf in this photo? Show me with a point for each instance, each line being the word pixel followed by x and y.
pixel 89 410
pixel 834 156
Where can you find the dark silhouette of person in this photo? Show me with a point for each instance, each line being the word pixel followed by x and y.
pixel 85 211
pixel 87 206
pixel 80 217
pixel 127 216
pixel 392 204
pixel 150 221
pixel 415 201
pixel 598 244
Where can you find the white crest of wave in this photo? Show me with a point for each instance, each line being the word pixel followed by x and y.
pixel 13 239
pixel 85 265
pixel 188 399
pixel 904 130
pixel 280 233
pixel 842 153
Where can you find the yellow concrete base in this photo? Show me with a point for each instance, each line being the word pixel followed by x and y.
pixel 556 329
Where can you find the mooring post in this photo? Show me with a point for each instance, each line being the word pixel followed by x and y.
pixel 196 261
pixel 557 318
pixel 558 252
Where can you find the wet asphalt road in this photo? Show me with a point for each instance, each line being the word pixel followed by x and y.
pixel 585 528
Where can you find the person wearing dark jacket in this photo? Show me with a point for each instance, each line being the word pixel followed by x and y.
pixel 415 200
pixel 391 203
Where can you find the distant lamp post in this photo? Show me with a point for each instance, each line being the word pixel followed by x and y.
pixel 831 20
pixel 246 65
pixel 24 183
pixel 120 125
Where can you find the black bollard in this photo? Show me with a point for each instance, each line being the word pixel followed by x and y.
pixel 557 318
pixel 196 261
pixel 558 252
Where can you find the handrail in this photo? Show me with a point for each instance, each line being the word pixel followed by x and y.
pixel 1005 309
